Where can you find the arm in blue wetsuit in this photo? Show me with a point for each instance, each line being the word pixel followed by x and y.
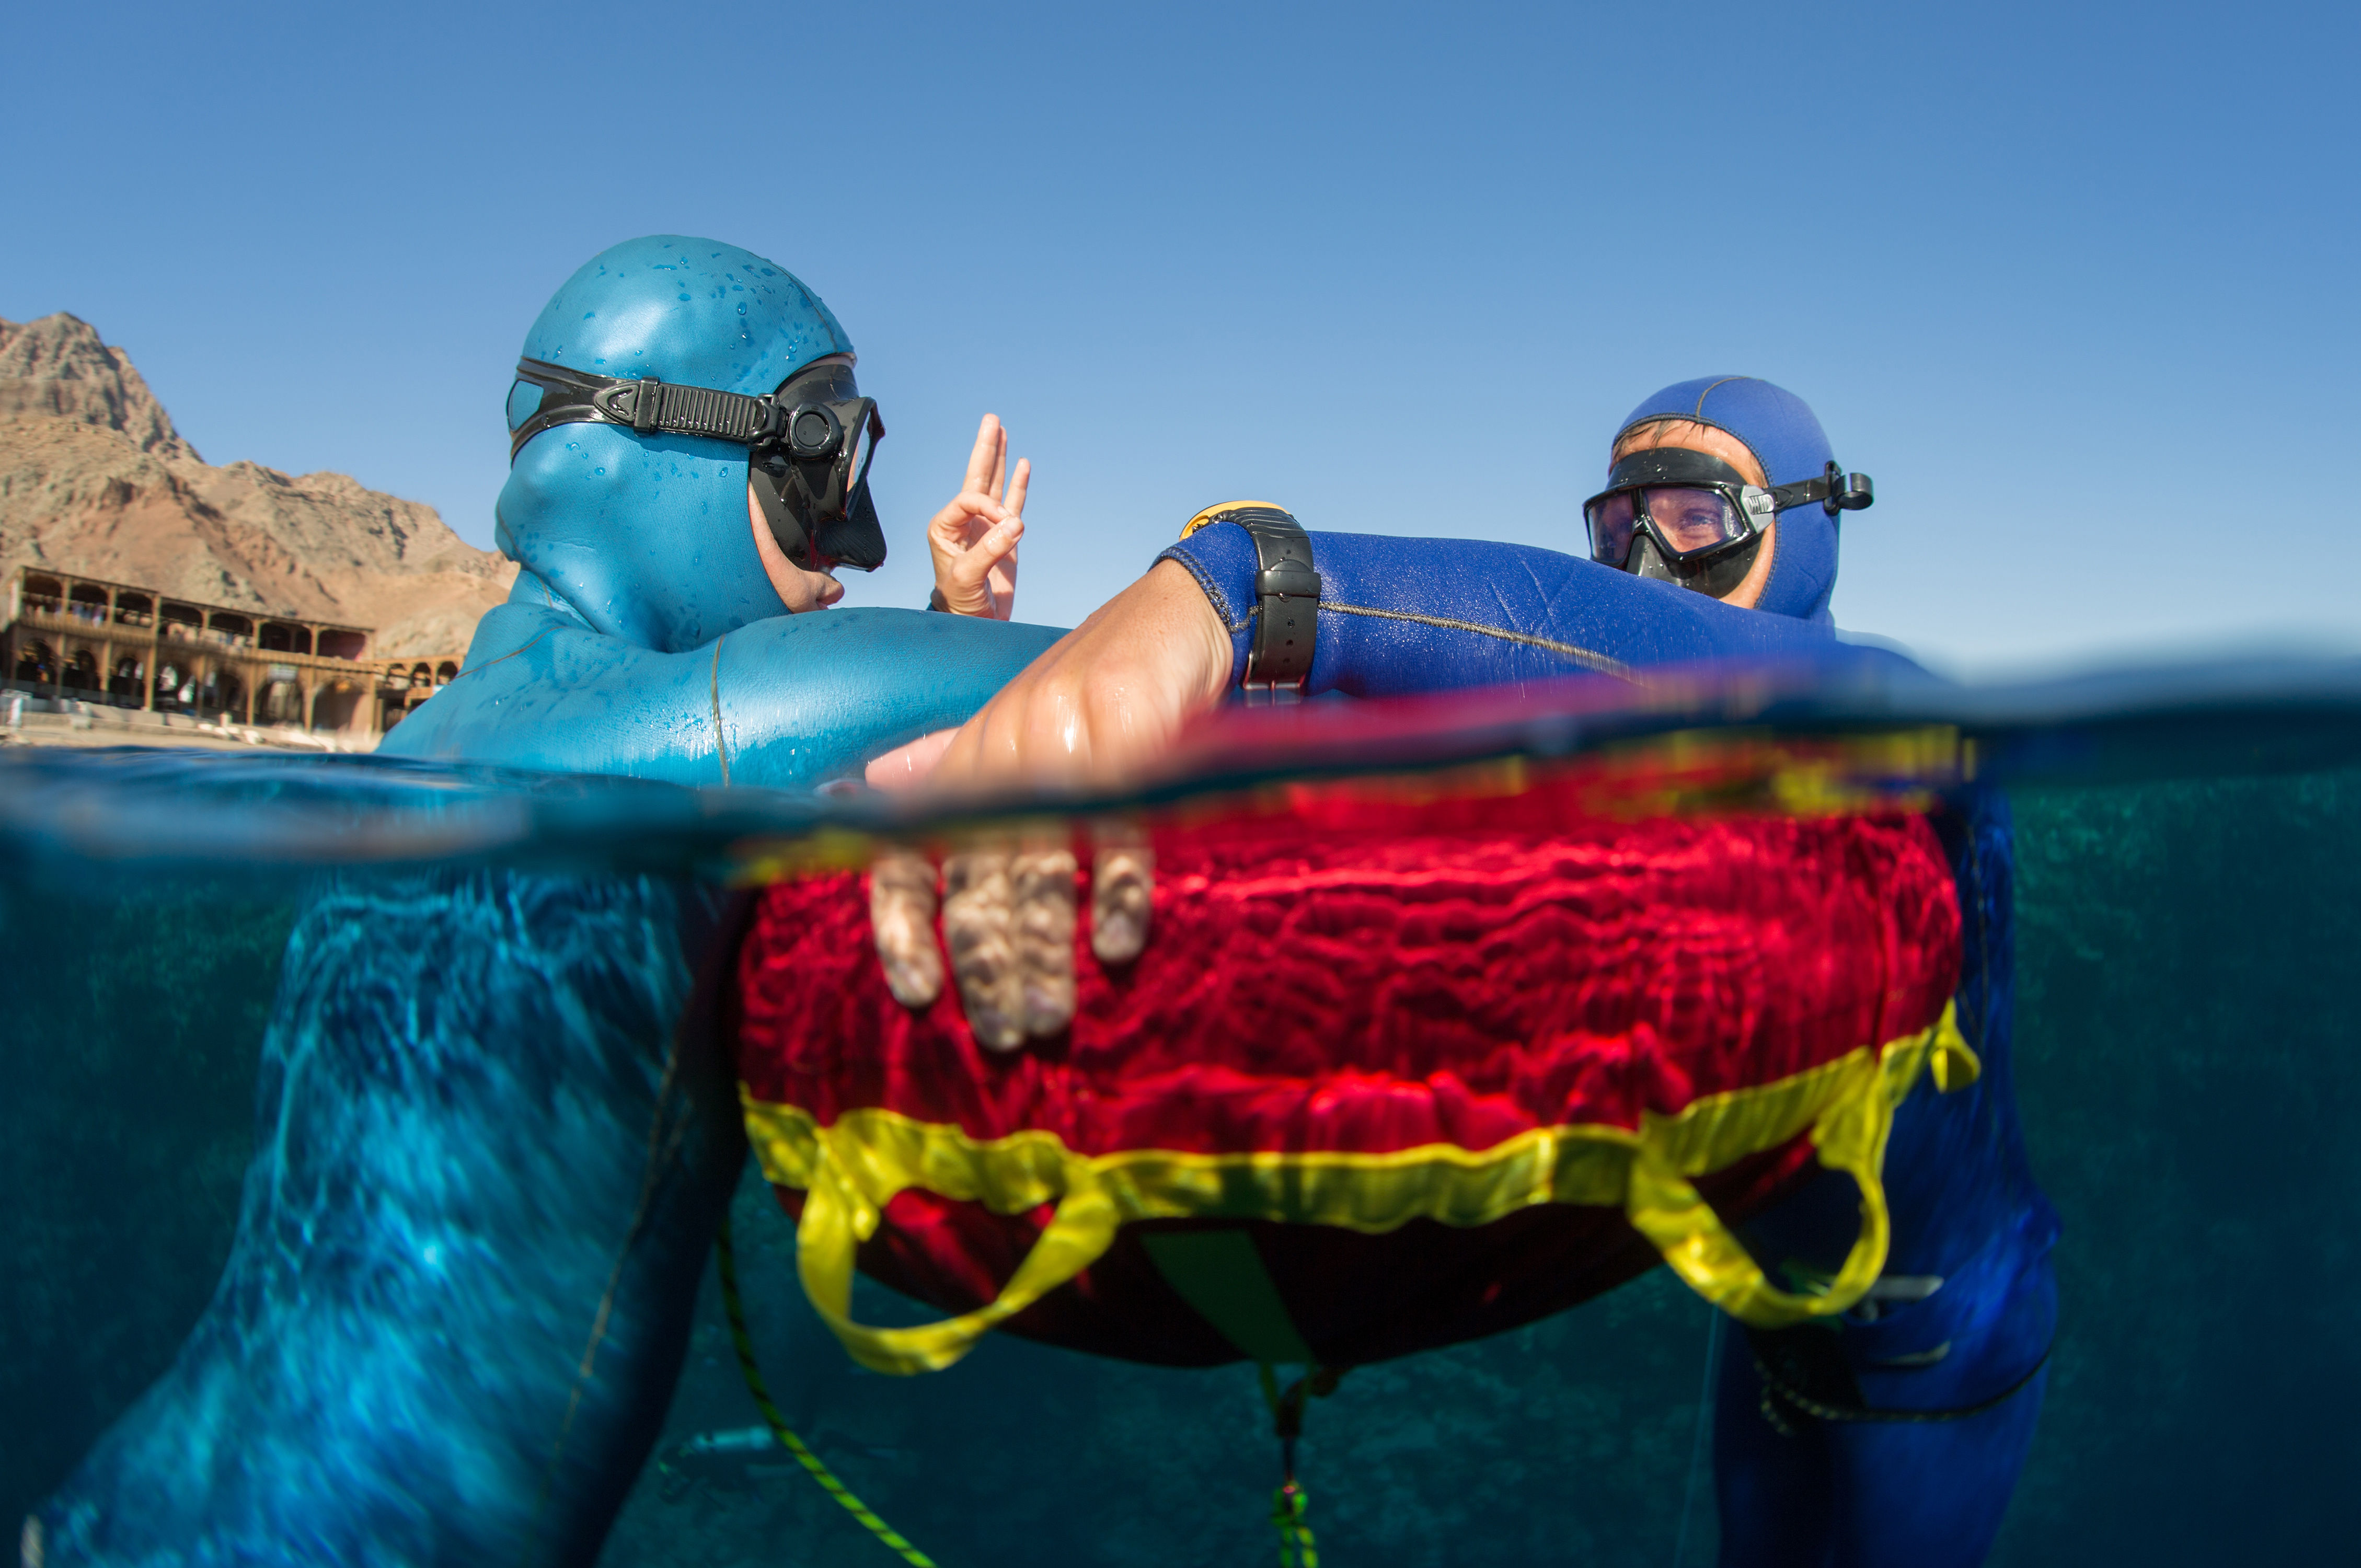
pixel 1396 617
pixel 789 702
pixel 1400 616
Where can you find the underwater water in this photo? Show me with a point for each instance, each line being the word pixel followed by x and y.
pixel 2190 1076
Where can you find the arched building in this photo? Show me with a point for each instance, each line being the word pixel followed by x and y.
pixel 70 636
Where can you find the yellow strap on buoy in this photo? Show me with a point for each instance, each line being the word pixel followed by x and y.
pixel 851 1167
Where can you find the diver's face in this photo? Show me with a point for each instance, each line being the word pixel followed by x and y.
pixel 1705 438
pixel 799 589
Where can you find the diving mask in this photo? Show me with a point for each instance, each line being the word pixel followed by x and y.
pixel 1689 517
pixel 812 482
pixel 810 444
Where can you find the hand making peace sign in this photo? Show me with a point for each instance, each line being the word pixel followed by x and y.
pixel 973 540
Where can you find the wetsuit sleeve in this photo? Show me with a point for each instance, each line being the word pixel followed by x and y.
pixel 1400 616
pixel 787 703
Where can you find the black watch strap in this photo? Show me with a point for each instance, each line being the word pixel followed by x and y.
pixel 1287 598
pixel 1287 604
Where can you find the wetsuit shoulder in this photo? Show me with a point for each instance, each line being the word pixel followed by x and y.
pixel 1400 616
pixel 789 702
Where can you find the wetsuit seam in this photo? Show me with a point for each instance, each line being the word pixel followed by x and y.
pixel 1586 657
pixel 1710 391
pixel 720 736
pixel 510 654
pixel 661 1150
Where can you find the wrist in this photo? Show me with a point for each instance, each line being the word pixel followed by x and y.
pixel 1253 565
pixel 1219 562
pixel 950 595
pixel 1200 639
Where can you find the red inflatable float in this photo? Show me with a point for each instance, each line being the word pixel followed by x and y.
pixel 1405 1061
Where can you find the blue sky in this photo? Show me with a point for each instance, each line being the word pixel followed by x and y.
pixel 2075 284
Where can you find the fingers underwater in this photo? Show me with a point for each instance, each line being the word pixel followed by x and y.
pixel 1009 907
pixel 980 929
pixel 1042 877
pixel 901 913
pixel 1123 885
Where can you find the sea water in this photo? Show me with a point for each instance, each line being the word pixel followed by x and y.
pixel 2189 949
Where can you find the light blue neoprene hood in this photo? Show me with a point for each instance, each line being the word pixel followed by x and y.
pixel 646 537
pixel 1786 437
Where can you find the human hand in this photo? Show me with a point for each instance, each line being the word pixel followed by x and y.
pixel 973 539
pixel 1107 699
pixel 1007 914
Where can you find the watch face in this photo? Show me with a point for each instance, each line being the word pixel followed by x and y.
pixel 1234 511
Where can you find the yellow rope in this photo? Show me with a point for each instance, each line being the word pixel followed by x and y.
pixel 730 1303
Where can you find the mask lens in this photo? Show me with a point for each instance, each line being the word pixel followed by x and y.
pixel 1610 528
pixel 524 401
pixel 1692 519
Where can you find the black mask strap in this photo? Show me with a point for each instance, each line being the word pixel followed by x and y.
pixel 1672 466
pixel 646 405
pixel 1835 489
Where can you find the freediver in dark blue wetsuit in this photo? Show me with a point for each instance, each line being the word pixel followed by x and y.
pixel 1896 1437
pixel 497 1127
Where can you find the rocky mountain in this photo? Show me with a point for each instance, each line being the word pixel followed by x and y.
pixel 94 479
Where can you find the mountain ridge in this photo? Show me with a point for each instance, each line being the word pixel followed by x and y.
pixel 96 479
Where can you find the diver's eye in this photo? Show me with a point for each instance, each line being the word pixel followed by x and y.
pixel 1694 519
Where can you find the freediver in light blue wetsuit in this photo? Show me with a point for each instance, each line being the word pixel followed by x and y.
pixel 1896 1437
pixel 498 1126
pixel 690 464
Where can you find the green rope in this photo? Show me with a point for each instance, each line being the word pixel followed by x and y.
pixel 1291 1506
pixel 1296 1547
pixel 725 1256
